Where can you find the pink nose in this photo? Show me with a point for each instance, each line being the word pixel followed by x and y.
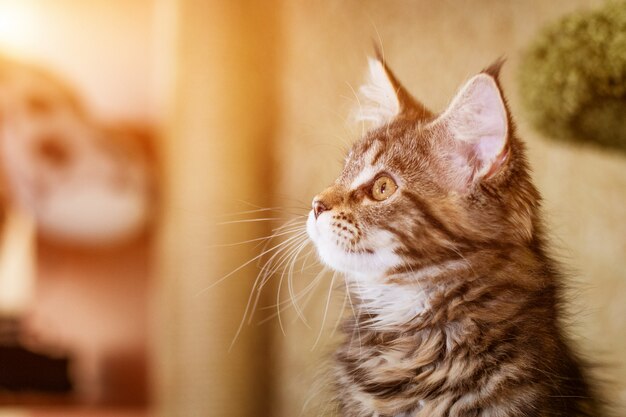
pixel 319 208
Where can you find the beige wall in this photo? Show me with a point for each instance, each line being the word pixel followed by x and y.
pixel 434 47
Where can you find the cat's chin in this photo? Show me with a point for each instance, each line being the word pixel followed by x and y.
pixel 372 262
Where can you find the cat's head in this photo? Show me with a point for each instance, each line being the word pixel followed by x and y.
pixel 420 189
pixel 84 183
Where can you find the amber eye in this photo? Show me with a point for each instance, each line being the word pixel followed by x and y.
pixel 383 188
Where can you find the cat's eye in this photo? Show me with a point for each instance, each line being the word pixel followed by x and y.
pixel 383 188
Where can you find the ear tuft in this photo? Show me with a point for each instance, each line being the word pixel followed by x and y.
pixel 379 101
pixel 477 121
pixel 494 69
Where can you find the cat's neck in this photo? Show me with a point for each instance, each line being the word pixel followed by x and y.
pixel 392 300
pixel 397 300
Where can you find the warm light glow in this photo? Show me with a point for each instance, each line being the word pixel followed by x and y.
pixel 18 24
pixel 100 47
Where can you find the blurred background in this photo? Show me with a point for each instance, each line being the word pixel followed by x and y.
pixel 140 141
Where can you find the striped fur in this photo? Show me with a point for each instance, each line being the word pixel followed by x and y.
pixel 457 303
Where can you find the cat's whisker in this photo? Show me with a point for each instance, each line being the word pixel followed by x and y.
pixel 296 222
pixel 340 315
pixel 350 300
pixel 318 278
pixel 380 39
pixel 311 292
pixel 262 219
pixel 277 208
pixel 249 309
pixel 357 325
pixel 274 263
pixel 358 100
pixel 308 291
pixel 290 284
pixel 299 295
pixel 294 229
pixel 304 261
pixel 280 283
pixel 245 264
pixel 267 270
pixel 290 226
pixel 257 239
pixel 277 260
pixel 285 259
pixel 330 290
pixel 262 209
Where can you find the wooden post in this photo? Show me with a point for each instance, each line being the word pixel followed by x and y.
pixel 216 77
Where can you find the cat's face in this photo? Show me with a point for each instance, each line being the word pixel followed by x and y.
pixel 419 189
pixel 84 183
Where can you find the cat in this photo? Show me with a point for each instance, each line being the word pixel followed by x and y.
pixel 436 225
pixel 82 181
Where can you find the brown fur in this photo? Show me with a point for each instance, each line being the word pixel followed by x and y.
pixel 491 341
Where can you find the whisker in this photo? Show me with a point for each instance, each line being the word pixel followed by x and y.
pixel 288 226
pixel 358 100
pixel 241 213
pixel 318 279
pixel 295 210
pixel 272 266
pixel 280 283
pixel 287 303
pixel 303 206
pixel 267 271
pixel 290 283
pixel 244 265
pixel 292 222
pixel 330 289
pixel 254 286
pixel 258 239
pixel 308 291
pixel 306 259
pixel 380 39
pixel 357 327
pixel 340 316
pixel 262 219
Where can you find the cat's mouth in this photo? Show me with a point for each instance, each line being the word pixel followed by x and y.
pixel 342 245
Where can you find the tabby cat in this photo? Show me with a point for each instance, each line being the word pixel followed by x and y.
pixel 436 224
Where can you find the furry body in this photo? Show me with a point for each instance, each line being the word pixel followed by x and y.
pixel 487 345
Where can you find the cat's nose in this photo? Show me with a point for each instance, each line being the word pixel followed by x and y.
pixel 319 208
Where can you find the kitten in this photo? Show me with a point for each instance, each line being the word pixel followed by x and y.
pixel 83 182
pixel 436 224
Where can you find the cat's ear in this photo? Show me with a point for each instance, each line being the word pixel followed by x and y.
pixel 383 98
pixel 477 121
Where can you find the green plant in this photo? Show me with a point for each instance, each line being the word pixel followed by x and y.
pixel 573 77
